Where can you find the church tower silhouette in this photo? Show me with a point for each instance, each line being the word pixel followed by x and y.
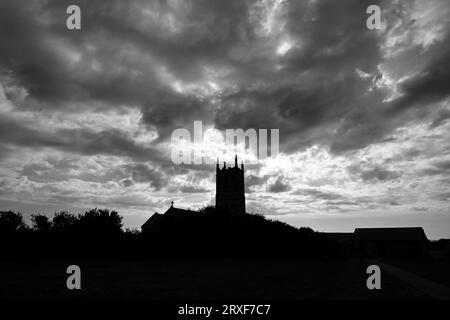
pixel 230 191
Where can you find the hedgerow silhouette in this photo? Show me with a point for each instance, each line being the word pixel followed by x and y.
pixel 99 233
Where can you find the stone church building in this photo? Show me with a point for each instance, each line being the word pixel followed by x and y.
pixel 230 197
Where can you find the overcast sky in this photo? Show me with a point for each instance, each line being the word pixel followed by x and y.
pixel 86 116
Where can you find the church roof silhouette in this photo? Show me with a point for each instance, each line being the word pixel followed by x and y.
pixel 154 222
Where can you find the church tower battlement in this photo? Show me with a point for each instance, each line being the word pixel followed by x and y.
pixel 230 189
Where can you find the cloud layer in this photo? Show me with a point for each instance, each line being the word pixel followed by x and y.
pixel 86 116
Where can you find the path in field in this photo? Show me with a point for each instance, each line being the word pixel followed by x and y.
pixel 428 287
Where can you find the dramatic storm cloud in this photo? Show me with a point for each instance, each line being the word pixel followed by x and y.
pixel 86 115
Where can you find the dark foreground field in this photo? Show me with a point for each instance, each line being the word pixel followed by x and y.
pixel 236 279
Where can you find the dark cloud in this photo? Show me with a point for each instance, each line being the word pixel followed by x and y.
pixel 373 173
pixel 80 141
pixel 127 175
pixel 127 183
pixel 5 151
pixel 318 194
pixel 254 180
pixel 431 85
pixel 122 56
pixel 441 118
pixel 141 173
pixel 379 174
pixel 193 189
pixel 279 186
pixel 437 168
pixel 444 165
pixel 329 33
pixel 145 54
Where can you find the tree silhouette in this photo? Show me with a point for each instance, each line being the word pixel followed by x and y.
pixel 41 222
pixel 63 222
pixel 207 210
pixel 102 221
pixel 11 222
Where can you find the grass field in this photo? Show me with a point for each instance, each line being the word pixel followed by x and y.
pixel 198 279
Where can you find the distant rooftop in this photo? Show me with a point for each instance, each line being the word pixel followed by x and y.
pixel 407 233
